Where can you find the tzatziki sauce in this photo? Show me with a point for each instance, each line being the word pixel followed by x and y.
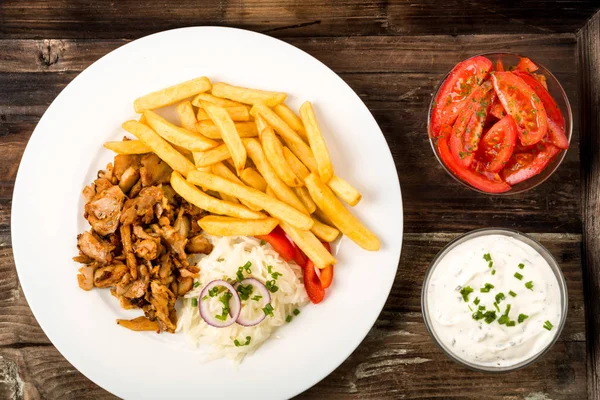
pixel 493 301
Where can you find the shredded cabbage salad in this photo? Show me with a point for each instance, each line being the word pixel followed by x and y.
pixel 229 254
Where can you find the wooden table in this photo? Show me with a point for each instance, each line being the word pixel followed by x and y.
pixel 392 54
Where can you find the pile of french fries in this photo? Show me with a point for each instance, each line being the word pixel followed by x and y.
pixel 246 157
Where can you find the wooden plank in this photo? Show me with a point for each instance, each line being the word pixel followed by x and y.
pixel 288 18
pixel 397 358
pixel 589 62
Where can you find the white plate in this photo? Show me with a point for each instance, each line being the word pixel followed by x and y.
pixel 64 154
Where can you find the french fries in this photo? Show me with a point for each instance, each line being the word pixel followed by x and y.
pixel 200 199
pixel 128 147
pixel 221 170
pixel 273 150
pixel 239 113
pixel 218 101
pixel 305 198
pixel 253 179
pixel 248 96
pixel 176 135
pixel 310 245
pixel 324 232
pixel 211 131
pixel 228 226
pixel 172 94
pixel 230 136
pixel 282 191
pixel 187 117
pixel 296 165
pixel 339 215
pixel 276 208
pixel 316 141
pixel 290 118
pixel 344 190
pixel 212 156
pixel 161 147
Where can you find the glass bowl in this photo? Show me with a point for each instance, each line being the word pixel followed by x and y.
pixel 559 95
pixel 515 235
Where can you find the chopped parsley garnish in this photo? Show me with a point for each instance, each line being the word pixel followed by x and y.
pixel 244 291
pixel 518 276
pixel 238 344
pixel 476 301
pixel 288 319
pixel 522 317
pixel 196 284
pixel 262 242
pixel 487 287
pixel 271 286
pixel 521 266
pixel 248 267
pixel 548 325
pixel 213 292
pixel 488 316
pixel 194 302
pixel 513 294
pixel 225 297
pixel 296 311
pixel 529 285
pixel 487 257
pixel 464 292
pixel 268 309
pixel 257 297
pixel 499 297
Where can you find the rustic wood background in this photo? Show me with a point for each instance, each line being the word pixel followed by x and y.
pixel 392 54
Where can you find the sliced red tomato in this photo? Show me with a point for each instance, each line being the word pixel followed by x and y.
pixel 557 136
pixel 499 65
pixel 520 101
pixel 468 127
pixel 280 242
pixel 525 64
pixel 456 89
pixel 497 145
pixel 312 284
pixel 541 79
pixel 523 166
pixel 550 105
pixel 471 177
pixel 326 274
pixel 497 110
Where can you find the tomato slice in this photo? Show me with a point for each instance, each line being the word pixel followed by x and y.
pixel 497 110
pixel 520 101
pixel 557 136
pixel 499 65
pixel 312 284
pixel 523 166
pixel 456 89
pixel 525 64
pixel 498 144
pixel 550 105
pixel 280 242
pixel 471 177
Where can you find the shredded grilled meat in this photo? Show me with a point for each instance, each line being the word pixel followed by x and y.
pixel 141 235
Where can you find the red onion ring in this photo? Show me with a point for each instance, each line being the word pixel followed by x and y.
pixel 235 305
pixel 263 291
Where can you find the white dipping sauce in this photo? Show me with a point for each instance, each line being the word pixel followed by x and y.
pixel 493 344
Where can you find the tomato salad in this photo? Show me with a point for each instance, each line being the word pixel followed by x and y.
pixel 495 128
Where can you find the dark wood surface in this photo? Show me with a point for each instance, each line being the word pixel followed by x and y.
pixel 393 55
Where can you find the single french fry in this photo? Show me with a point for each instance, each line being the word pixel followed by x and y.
pixel 239 113
pixel 211 131
pixel 316 141
pixel 205 202
pixel 212 156
pixel 248 96
pixel 177 135
pixel 186 114
pixel 340 186
pixel 282 191
pixel 221 170
pixel 159 146
pixel 290 137
pixel 344 190
pixel 310 245
pixel 253 179
pixel 290 118
pixel 128 147
pixel 324 232
pixel 172 94
pixel 218 101
pixel 228 226
pixel 276 208
pixel 347 223
pixel 142 119
pixel 230 136
pixel 273 150
pixel 320 215
pixel 305 198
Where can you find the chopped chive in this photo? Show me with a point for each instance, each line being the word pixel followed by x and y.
pixel 465 292
pixel 476 301
pixel 518 276
pixel 513 294
pixel 521 266
pixel 487 257
pixel 268 309
pixel 503 319
pixel 257 297
pixel 213 292
pixel 296 311
pixel 522 317
pixel 240 274
pixel 470 309
pixel 220 259
pixel 271 286
pixel 529 285
pixel 196 284
pixel 510 323
pixel 490 264
pixel 493 272
pixel 247 267
pixel 507 309
pixel 262 242
pixel 244 291
pixel 548 325
pixel 499 297
pixel 195 302
pixel 486 288
pixel 482 307
pixel 238 344
pixel 497 308
pixel 288 319
pixel 490 316
pixel 204 298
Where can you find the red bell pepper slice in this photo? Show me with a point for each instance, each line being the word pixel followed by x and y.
pixel 281 244
pixel 312 284
pixel 326 275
